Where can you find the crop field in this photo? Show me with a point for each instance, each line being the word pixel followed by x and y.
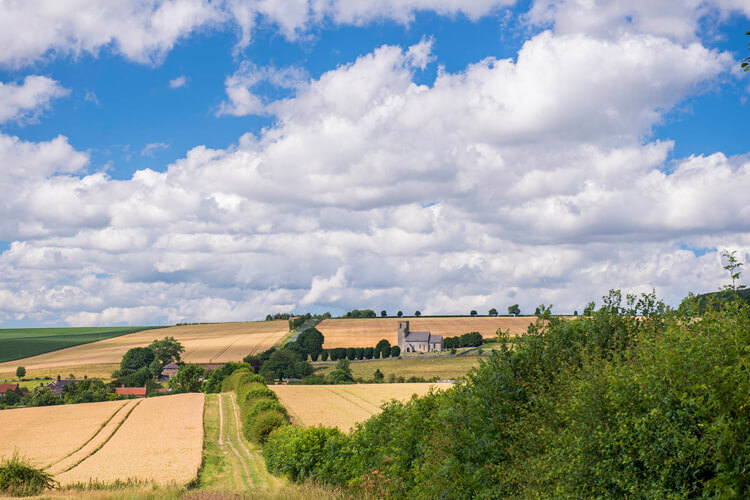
pixel 47 434
pixel 25 342
pixel 343 406
pixel 366 332
pixel 161 441
pixel 209 343
pixel 156 440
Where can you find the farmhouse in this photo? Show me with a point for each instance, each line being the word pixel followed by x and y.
pixel 169 371
pixel 56 387
pixel 6 388
pixel 410 341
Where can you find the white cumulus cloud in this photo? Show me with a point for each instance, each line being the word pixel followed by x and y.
pixel 24 101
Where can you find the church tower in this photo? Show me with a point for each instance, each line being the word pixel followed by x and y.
pixel 403 332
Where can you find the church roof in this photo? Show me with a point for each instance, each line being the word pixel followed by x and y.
pixel 436 339
pixel 418 337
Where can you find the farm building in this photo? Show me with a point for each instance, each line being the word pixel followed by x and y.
pixel 131 391
pixel 169 371
pixel 410 341
pixel 6 388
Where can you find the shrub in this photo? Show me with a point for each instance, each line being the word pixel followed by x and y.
pixel 19 478
pixel 324 355
pixel 369 351
pixel 359 352
pixel 255 390
pixel 258 406
pixel 263 424
pixel 239 378
pixel 313 452
pixel 395 351
pixel 351 353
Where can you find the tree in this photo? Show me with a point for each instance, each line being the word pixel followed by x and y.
pixel 369 352
pixel 384 348
pixel 20 372
pixel 417 313
pixel 324 355
pixel 311 340
pixel 351 353
pixel 342 373
pixel 286 364
pixel 589 309
pixel 395 351
pixel 473 312
pixel 383 313
pixel 360 352
pixel 733 268
pixel 135 359
pixel 187 379
pixel 493 312
pixel 543 311
pixel 378 375
pixel 269 317
pixel 514 310
pixel 399 314
pixel 167 350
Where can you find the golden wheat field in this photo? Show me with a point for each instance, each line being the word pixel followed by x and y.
pixel 161 441
pixel 210 343
pixel 343 406
pixel 367 332
pixel 48 434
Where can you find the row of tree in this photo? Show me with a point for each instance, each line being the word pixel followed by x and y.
pixel 471 339
pixel 383 349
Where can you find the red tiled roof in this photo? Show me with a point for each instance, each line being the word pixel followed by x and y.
pixel 131 391
pixel 8 387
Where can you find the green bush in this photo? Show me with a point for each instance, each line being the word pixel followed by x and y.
pixel 258 406
pixel 238 378
pixel 311 452
pixel 19 478
pixel 254 390
pixel 263 424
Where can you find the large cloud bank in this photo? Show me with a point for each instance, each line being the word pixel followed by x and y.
pixel 528 180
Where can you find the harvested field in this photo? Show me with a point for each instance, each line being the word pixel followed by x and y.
pixel 48 434
pixel 211 343
pixel 160 441
pixel 367 332
pixel 343 406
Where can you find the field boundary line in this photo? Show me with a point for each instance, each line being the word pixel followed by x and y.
pixel 105 441
pixel 101 427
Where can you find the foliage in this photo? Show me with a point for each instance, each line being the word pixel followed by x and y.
pixel 41 396
pixel 20 372
pixel 135 359
pixel 417 313
pixel 351 353
pixel 514 310
pixel 395 351
pixel 216 378
pixel 342 373
pixel 167 350
pixel 473 312
pixel 383 313
pixel 384 348
pixel 299 321
pixel 633 401
pixel 88 391
pixel 263 424
pixel 733 268
pixel 18 477
pixel 311 340
pixel 378 375
pixel 471 339
pixel 492 312
pixel 369 351
pixel 364 313
pixel 285 363
pixel 324 355
pixel 400 313
pixel 187 379
pixel 238 378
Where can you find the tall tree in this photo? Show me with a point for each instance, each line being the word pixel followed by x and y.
pixel 167 350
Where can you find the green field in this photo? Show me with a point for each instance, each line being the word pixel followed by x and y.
pixel 442 367
pixel 19 343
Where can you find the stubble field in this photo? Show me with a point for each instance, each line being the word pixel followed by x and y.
pixel 367 332
pixel 155 440
pixel 210 343
pixel 343 406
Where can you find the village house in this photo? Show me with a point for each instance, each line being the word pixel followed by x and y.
pixel 169 371
pixel 56 386
pixel 6 388
pixel 410 341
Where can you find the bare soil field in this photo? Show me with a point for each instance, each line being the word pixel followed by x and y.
pixel 160 441
pixel 343 406
pixel 210 343
pixel 48 434
pixel 366 332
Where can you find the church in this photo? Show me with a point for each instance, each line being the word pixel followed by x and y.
pixel 410 341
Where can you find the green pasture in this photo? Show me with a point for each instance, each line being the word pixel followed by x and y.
pixel 19 343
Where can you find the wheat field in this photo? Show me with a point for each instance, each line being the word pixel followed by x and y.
pixel 343 406
pixel 367 332
pixel 210 343
pixel 161 441
pixel 48 434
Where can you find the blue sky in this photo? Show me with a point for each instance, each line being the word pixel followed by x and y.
pixel 394 155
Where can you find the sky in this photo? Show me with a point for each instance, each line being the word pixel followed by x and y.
pixel 199 161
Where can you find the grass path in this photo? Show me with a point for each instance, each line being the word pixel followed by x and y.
pixel 231 462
